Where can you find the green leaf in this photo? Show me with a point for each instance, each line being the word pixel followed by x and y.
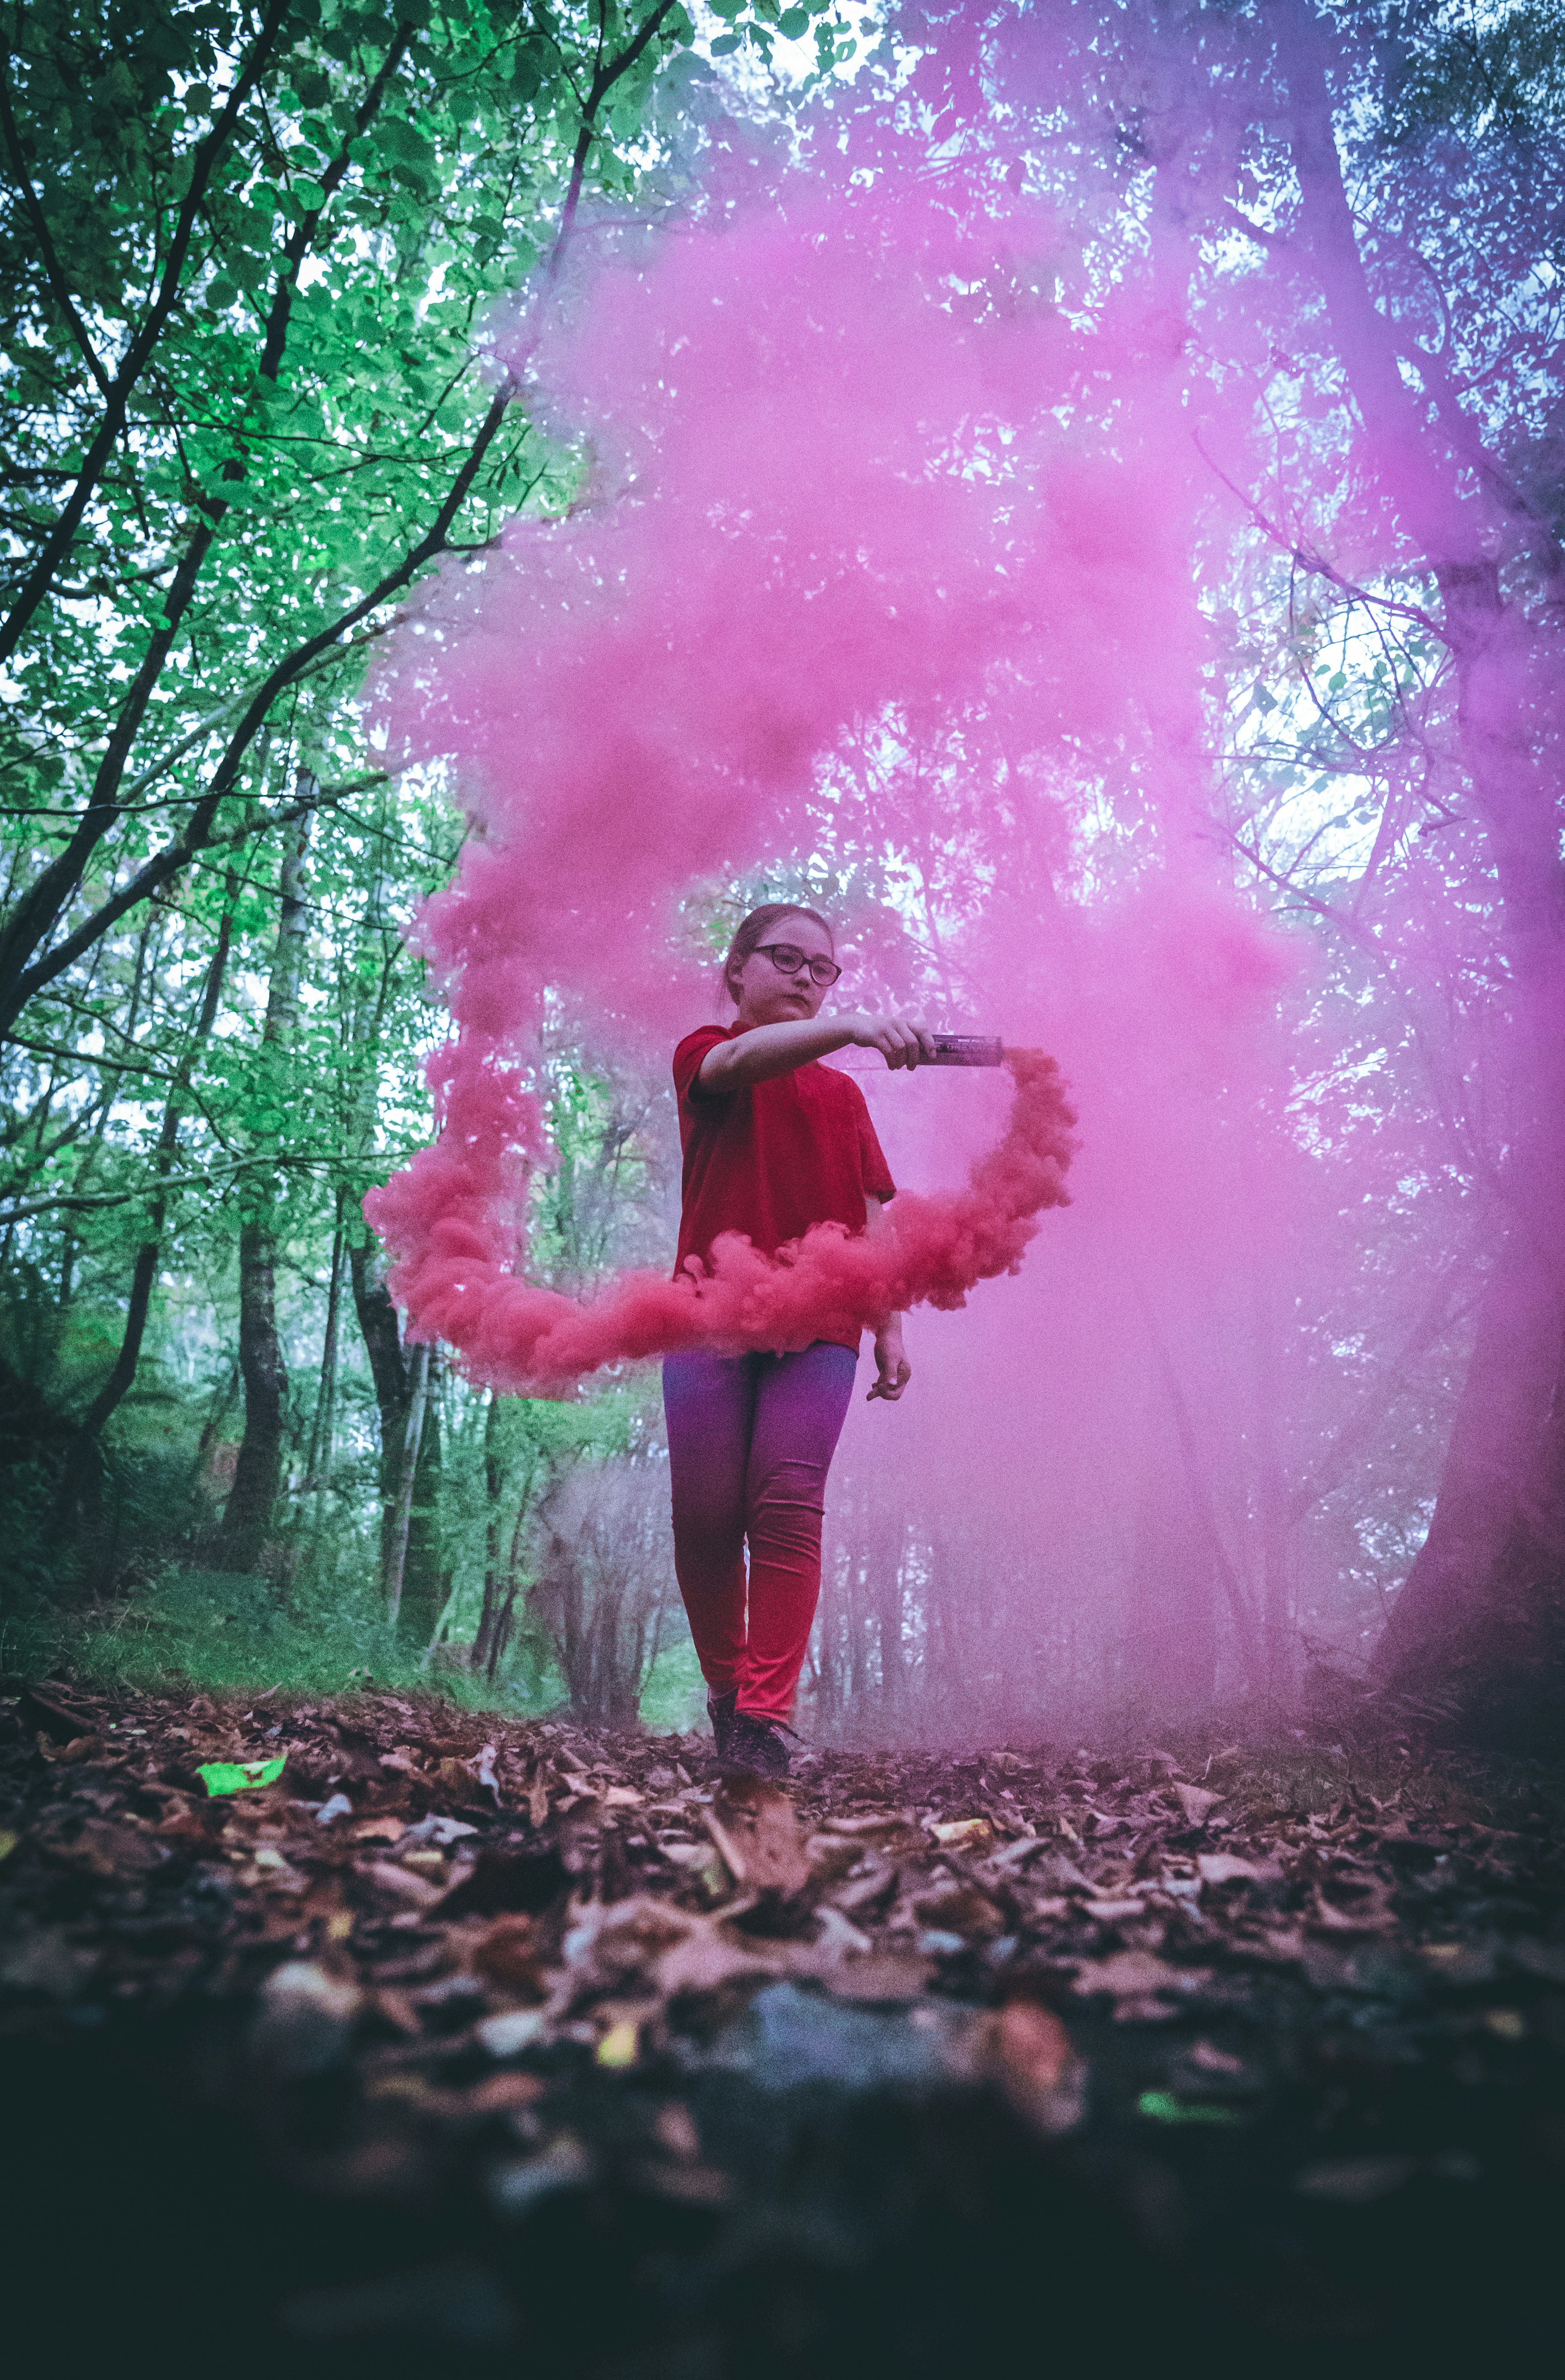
pixel 1162 2107
pixel 240 1776
pixel 534 61
pixel 397 140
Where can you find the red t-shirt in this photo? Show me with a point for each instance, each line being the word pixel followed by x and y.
pixel 771 1158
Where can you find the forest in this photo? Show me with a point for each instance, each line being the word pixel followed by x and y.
pixel 1216 749
pixel 216 1434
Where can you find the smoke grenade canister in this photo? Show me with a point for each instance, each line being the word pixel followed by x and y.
pixel 967 1049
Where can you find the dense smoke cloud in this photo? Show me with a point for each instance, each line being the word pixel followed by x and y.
pixel 826 482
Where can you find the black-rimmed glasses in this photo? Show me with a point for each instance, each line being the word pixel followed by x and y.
pixel 787 958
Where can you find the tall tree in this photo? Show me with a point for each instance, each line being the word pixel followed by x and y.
pixel 147 1256
pixel 1379 167
pixel 252 1499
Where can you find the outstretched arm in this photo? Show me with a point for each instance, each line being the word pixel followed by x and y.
pixel 769 1050
pixel 891 1356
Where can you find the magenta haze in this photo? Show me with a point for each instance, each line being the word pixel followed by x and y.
pixel 820 493
pixel 837 493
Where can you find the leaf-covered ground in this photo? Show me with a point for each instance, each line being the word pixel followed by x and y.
pixel 474 2045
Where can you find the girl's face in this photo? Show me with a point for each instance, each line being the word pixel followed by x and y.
pixel 766 996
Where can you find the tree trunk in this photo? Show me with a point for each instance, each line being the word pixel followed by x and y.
pixel 394 1566
pixel 107 1094
pixel 318 1463
pixel 503 1614
pixel 388 1370
pixel 1172 1654
pixel 247 1519
pixel 499 1578
pixel 258 1475
pixel 212 1428
pixel 145 1270
pixel 1477 1634
pixel 410 1574
pixel 1478 1630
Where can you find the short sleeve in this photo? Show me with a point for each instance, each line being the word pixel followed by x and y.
pixel 878 1183
pixel 687 1060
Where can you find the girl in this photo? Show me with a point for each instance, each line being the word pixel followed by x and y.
pixel 772 1143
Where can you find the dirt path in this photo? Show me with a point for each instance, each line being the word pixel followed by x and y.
pixel 513 2046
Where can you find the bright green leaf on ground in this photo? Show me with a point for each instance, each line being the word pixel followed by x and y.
pixel 1162 2107
pixel 240 1776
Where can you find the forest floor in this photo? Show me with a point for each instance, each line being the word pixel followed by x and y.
pixel 472 2045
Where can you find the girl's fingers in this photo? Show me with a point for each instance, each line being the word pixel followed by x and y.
pixel 903 1041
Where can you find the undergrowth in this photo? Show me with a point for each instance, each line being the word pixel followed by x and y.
pixel 226 1632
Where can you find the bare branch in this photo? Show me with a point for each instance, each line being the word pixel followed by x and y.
pixel 1316 564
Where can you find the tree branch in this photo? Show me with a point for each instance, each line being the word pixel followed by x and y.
pixel 1308 560
pixel 40 232
pixel 604 80
pixel 1274 240
pixel 56 545
pixel 200 832
pixel 303 234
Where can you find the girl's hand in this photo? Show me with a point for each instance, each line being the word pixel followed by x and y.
pixel 901 1041
pixel 891 1361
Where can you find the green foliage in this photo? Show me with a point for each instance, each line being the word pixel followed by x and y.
pixel 249 258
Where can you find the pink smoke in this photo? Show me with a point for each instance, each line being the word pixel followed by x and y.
pixel 456 1279
pixel 829 488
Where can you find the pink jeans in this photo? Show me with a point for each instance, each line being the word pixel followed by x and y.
pixel 750 1440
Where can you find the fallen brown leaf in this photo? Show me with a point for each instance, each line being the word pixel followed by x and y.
pixel 706 1959
pixel 885 1978
pixel 963 1834
pixel 1027 2051
pixel 103 1847
pixel 400 1883
pixel 1138 1975
pixel 962 1909
pixel 1224 1867
pixel 757 1829
pixel 1196 1801
pixel 507 1955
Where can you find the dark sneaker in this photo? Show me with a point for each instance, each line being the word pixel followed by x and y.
pixel 720 1710
pixel 758 1747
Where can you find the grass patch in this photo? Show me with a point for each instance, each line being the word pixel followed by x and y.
pixel 228 1634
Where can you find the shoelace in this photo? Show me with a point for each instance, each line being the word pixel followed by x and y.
pixel 781 1724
